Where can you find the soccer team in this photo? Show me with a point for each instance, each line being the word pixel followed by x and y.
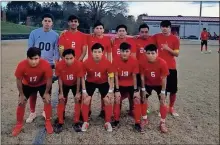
pixel 120 67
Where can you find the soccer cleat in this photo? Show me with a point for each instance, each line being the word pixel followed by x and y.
pixel 17 129
pixel 85 126
pixel 115 124
pixel 148 111
pixel 173 112
pixel 31 117
pixel 58 128
pixel 163 127
pixel 102 114
pixel 77 127
pixel 144 122
pixel 138 127
pixel 44 115
pixel 108 127
pixel 48 126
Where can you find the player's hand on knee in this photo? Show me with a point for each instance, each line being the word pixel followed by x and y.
pixel 117 97
pixel 61 97
pixel 47 97
pixel 162 98
pixel 86 100
pixel 137 98
pixel 78 96
pixel 144 94
pixel 22 100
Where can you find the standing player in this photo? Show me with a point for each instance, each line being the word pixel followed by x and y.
pixel 154 72
pixel 105 41
pixel 69 72
pixel 33 74
pixel 204 40
pixel 98 69
pixel 168 48
pixel 46 39
pixel 73 39
pixel 122 37
pixel 126 84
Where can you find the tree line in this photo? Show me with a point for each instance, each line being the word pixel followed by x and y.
pixel 110 13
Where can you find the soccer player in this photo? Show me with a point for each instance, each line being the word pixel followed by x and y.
pixel 73 39
pixel 154 72
pixel 32 75
pixel 126 69
pixel 46 39
pixel 204 40
pixel 168 48
pixel 69 72
pixel 122 37
pixel 105 41
pixel 98 69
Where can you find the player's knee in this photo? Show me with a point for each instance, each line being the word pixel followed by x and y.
pixel 136 100
pixel 162 100
pixel 61 101
pixel 106 100
pixel 117 100
pixel 87 100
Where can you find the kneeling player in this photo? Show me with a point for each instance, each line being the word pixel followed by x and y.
pixel 154 72
pixel 69 71
pixel 98 68
pixel 126 83
pixel 33 74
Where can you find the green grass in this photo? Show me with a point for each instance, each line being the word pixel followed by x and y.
pixel 12 28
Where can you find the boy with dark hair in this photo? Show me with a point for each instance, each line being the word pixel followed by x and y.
pixel 33 74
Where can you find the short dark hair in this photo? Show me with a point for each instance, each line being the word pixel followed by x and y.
pixel 68 51
pixel 165 23
pixel 125 46
pixel 150 47
pixel 73 17
pixel 143 26
pixel 47 15
pixel 98 23
pixel 204 28
pixel 33 51
pixel 121 26
pixel 97 46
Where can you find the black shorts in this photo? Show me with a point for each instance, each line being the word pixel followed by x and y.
pixel 149 90
pixel 125 90
pixel 28 91
pixel 103 88
pixel 172 81
pixel 66 90
pixel 204 42
pixel 138 76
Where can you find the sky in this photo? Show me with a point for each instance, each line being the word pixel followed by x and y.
pixel 210 9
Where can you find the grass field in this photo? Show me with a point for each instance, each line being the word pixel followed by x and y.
pixel 197 103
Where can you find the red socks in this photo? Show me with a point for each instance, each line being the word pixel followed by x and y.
pixel 77 112
pixel 137 113
pixel 144 109
pixel 60 110
pixel 172 99
pixel 48 111
pixel 32 101
pixel 108 113
pixel 20 113
pixel 117 112
pixel 163 111
pixel 85 112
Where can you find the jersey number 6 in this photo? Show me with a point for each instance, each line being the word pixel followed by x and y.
pixel 152 74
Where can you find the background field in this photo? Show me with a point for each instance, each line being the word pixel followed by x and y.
pixel 197 103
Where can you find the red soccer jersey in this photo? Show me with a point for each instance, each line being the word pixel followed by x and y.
pixel 34 76
pixel 97 72
pixel 204 35
pixel 173 43
pixel 75 40
pixel 116 46
pixel 140 44
pixel 153 72
pixel 69 74
pixel 125 70
pixel 105 41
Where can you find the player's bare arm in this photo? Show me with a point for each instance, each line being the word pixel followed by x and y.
pixel 111 87
pixel 143 90
pixel 84 93
pixel 171 51
pixel 60 83
pixel 117 93
pixel 48 86
pixel 78 88
pixel 163 90
pixel 136 92
pixel 21 93
pixel 83 53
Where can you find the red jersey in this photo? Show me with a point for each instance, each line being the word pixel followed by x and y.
pixel 75 40
pixel 125 70
pixel 105 41
pixel 116 46
pixel 204 35
pixel 140 44
pixel 69 74
pixel 34 76
pixel 97 72
pixel 172 41
pixel 153 72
